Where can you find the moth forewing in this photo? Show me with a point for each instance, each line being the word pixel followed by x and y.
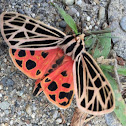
pixel 22 32
pixel 97 96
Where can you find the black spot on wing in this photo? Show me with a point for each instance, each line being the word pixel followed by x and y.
pixel 23 18
pixel 90 107
pixel 67 40
pixel 20 35
pixel 53 30
pixel 30 64
pixel 6 18
pixel 66 85
pixel 67 95
pixel 70 48
pixel 32 21
pixel 64 73
pixel 102 95
pixel 52 97
pixel 108 87
pixel 13 42
pixel 29 26
pixel 31 34
pixel 54 65
pixel 52 86
pixel 13 51
pixel 50 70
pixel 102 78
pixel 10 15
pixel 46 74
pixel 42 31
pixel 19 62
pixel 22 53
pixel 9 31
pixel 47 80
pixel 38 72
pixel 92 72
pixel 64 103
pixel 95 105
pixel 78 50
pixel 32 52
pixel 80 74
pixel 60 60
pixel 83 103
pixel 16 23
pixel 7 27
pixel 90 84
pixel 44 54
pixel 90 60
pixel 18 19
pixel 90 94
pixel 98 83
pixel 100 107
pixel 8 36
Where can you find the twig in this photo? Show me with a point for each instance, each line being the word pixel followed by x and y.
pixel 115 71
pixel 62 116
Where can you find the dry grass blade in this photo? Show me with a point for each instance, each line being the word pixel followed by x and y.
pixel 97 2
pixel 79 118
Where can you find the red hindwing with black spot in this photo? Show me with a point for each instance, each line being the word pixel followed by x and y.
pixel 53 71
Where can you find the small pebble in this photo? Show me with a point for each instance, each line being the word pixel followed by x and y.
pixel 1 87
pixel 96 27
pixel 88 18
pixel 123 23
pixel 33 115
pixel 68 2
pixel 11 122
pixel 79 2
pixel 90 27
pixel 72 11
pixel 59 120
pixel 0 95
pixel 4 105
pixel 62 24
pixel 28 109
pixel 101 13
pixel 55 114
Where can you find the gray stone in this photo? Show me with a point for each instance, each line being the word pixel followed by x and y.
pixel 4 105
pixel 68 2
pixel 62 24
pixel 115 13
pixel 123 23
pixel 20 11
pixel 72 11
pixel 101 13
pixel 112 120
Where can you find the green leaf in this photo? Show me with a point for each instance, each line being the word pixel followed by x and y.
pixel 120 107
pixel 68 19
pixel 121 70
pixel 103 46
pixel 89 40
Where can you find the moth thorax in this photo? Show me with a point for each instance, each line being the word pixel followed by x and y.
pixel 72 45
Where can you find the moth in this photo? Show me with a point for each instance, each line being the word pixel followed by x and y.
pixel 58 62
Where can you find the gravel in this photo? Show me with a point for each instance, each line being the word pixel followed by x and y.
pixel 18 107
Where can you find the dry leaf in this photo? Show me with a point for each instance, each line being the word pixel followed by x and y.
pixel 101 60
pixel 120 61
